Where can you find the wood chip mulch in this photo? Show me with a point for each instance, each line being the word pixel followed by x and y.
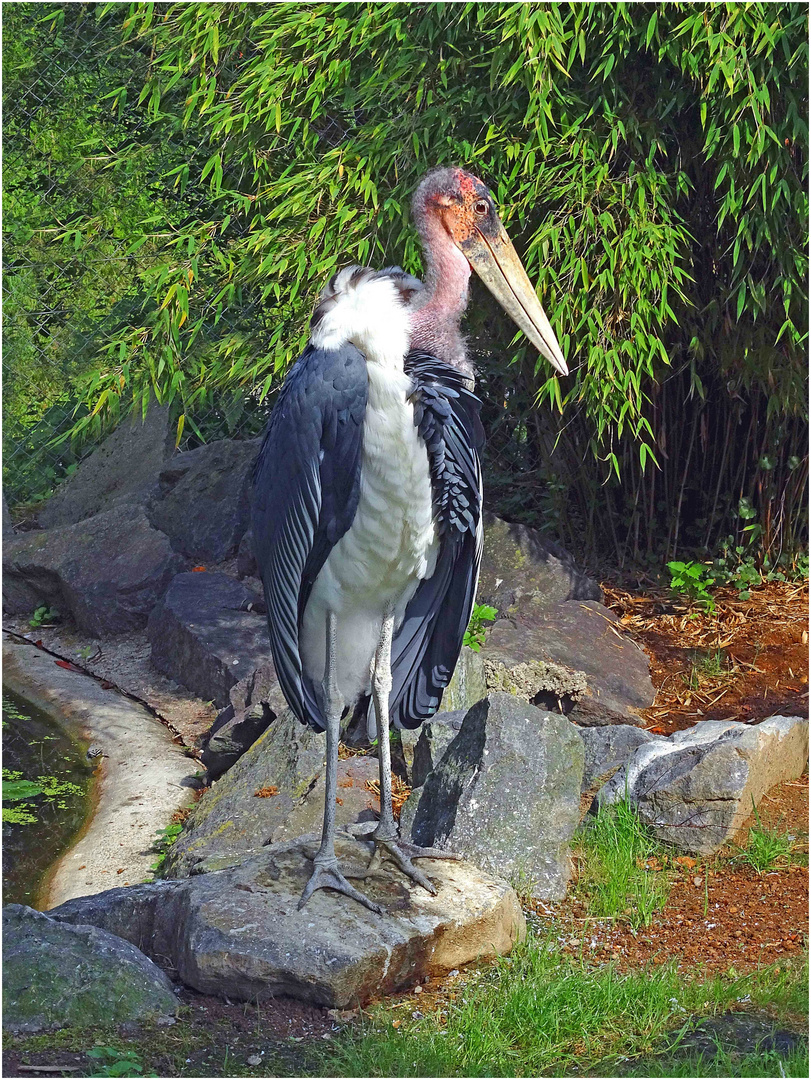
pixel 745 661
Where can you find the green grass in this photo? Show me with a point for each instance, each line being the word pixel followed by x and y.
pixel 766 848
pixel 617 875
pixel 536 1013
pixel 758 1063
pixel 707 668
pixel 533 1013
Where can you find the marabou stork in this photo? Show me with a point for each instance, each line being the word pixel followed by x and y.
pixel 367 492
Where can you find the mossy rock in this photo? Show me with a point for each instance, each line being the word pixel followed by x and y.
pixel 56 976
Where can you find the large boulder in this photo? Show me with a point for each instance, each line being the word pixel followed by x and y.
pixel 523 572
pixel 122 471
pixel 571 657
pixel 8 524
pixel 107 571
pixel 239 932
pixel 505 794
pixel 468 683
pixel 204 504
pixel 696 788
pixel 255 702
pixel 58 975
pixel 208 633
pixel 247 566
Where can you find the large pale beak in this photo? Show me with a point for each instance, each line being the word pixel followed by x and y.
pixel 496 262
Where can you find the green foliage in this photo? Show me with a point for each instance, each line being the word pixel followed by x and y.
pixel 476 628
pixel 652 165
pixel 620 873
pixel 162 843
pixel 693 581
pixel 43 615
pixel 114 1062
pixel 18 790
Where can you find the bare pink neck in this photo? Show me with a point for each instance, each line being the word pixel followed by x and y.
pixel 439 308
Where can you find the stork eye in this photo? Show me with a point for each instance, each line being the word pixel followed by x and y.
pixel 481 207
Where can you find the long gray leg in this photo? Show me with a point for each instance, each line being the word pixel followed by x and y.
pixel 326 874
pixel 387 844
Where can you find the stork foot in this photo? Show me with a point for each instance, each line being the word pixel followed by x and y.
pixel 401 852
pixel 326 875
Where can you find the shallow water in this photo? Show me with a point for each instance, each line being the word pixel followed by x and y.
pixel 38 750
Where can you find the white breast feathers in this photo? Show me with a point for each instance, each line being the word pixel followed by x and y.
pixel 392 542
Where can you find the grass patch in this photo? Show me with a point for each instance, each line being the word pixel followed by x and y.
pixel 535 1014
pixel 708 668
pixel 766 849
pixel 759 1063
pixel 620 868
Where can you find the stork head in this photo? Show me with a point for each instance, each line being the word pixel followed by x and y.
pixel 455 203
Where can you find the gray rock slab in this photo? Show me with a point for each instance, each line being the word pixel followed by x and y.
pixel 121 471
pixel 238 932
pixel 574 653
pixel 468 684
pixel 231 735
pixel 608 748
pixel 59 975
pixel 506 794
pixel 204 505
pixel 697 787
pixel 208 634
pixel 107 572
pixel 523 571
pixel 142 779
pixel 229 821
pixel 356 802
pixel 738 1035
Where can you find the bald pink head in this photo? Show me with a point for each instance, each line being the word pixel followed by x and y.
pixel 460 228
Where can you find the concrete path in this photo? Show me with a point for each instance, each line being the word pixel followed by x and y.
pixel 143 777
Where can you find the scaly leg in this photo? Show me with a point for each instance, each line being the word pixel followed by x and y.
pixel 326 874
pixel 387 843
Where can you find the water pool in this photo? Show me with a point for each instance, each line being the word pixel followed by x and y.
pixel 47 797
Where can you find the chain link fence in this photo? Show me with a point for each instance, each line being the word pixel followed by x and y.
pixel 87 197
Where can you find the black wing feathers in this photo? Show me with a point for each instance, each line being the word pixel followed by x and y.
pixel 306 491
pixel 427 644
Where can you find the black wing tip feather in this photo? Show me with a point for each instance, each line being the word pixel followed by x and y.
pixel 322 402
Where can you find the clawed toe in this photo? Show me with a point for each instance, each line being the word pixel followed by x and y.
pixel 326 875
pixel 400 852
